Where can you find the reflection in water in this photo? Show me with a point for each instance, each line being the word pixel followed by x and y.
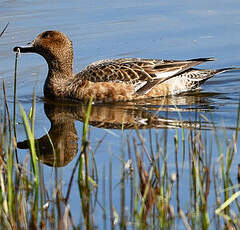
pixel 63 135
pixel 140 114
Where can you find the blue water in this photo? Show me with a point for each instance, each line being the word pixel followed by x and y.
pixel 112 29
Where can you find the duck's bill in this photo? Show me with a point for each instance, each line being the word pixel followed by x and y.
pixel 24 49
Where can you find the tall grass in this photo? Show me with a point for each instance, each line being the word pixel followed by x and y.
pixel 155 200
pixel 194 191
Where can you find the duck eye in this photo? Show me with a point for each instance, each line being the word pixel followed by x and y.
pixel 45 35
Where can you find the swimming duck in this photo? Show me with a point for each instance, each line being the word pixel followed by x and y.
pixel 111 80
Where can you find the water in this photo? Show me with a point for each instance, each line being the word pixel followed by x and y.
pixel 112 29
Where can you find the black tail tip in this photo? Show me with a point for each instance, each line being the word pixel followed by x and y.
pixel 203 59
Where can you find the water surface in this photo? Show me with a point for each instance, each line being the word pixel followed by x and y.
pixel 112 29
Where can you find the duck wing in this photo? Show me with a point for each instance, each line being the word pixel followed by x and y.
pixel 142 73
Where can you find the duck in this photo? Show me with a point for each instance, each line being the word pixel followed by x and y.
pixel 113 80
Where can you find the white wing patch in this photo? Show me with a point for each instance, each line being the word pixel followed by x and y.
pixel 139 85
pixel 166 74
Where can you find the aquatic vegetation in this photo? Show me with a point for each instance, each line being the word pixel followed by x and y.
pixel 196 192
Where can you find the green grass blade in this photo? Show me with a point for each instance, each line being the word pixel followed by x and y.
pixel 30 137
pixel 227 202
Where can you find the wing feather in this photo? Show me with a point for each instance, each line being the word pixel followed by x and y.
pixel 142 73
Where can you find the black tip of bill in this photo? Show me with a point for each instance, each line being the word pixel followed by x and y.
pixel 24 49
pixel 16 49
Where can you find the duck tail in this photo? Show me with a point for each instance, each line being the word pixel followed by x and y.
pixel 217 71
pixel 202 59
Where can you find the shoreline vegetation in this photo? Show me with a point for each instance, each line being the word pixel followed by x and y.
pixel 149 188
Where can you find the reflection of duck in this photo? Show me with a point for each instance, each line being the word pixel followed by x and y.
pixel 63 133
pixel 113 80
pixel 63 136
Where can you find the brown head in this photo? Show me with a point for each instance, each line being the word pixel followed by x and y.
pixel 54 46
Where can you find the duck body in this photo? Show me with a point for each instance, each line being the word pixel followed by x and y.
pixel 122 79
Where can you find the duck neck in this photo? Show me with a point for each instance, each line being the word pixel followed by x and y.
pixel 59 75
pixel 60 71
